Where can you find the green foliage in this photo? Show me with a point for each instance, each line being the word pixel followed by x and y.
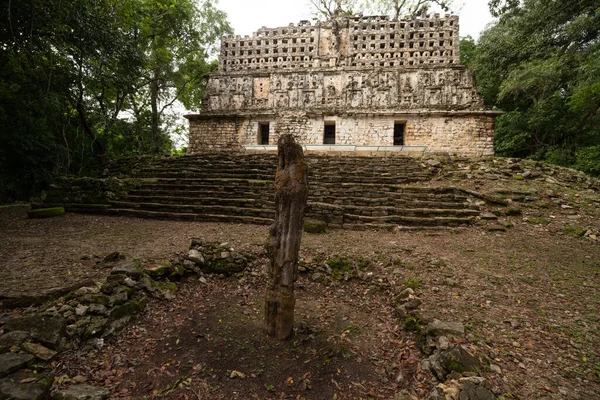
pixel 540 63
pixel 413 323
pixel 85 81
pixel 413 283
pixel 468 50
pixel 575 231
pixel 587 159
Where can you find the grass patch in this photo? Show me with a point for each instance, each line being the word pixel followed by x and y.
pixel 575 231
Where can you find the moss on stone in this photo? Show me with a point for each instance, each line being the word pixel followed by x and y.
pixel 132 307
pixel 314 226
pixel 413 323
pixel 513 211
pixel 164 286
pixel 46 212
pixel 224 266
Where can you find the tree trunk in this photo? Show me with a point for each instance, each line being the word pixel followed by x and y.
pixel 156 140
pixel 283 244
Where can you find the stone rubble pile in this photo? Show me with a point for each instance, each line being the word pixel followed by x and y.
pixel 450 362
pixel 91 314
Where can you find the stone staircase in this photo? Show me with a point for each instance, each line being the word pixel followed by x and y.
pixel 344 191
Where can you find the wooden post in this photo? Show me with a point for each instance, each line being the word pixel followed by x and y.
pixel 283 244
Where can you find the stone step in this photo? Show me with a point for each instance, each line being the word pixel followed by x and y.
pixel 383 211
pixel 196 209
pixel 391 201
pixel 240 219
pixel 244 202
pixel 350 220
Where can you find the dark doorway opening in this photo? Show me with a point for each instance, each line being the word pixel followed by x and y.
pixel 329 133
pixel 399 133
pixel 263 129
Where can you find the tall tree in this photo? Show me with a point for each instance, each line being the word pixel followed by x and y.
pixel 541 64
pixel 179 39
pixel 396 9
pixel 399 8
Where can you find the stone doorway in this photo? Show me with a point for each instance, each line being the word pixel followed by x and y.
pixel 399 128
pixel 329 133
pixel 263 133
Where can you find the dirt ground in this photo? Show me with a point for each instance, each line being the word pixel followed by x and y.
pixel 529 299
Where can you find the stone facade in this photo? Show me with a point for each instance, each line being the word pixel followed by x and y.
pixel 354 81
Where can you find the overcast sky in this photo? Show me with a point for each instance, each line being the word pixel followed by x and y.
pixel 247 16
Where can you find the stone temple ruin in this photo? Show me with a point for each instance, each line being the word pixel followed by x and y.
pixel 351 84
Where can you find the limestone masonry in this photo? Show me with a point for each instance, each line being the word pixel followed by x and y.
pixel 353 83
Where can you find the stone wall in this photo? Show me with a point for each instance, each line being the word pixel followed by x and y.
pixel 213 133
pixel 360 42
pixel 465 134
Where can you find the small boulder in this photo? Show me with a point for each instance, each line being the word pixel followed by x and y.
pixel 113 257
pixel 196 257
pixel 82 392
pixel 474 391
pixel 314 226
pixel 11 339
pixel 41 352
pixel 48 330
pixel 130 269
pixel 458 359
pixel 11 362
pixel 496 228
pixel 437 328
pixel 81 310
pixel 26 385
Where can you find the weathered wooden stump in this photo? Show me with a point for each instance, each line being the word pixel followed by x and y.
pixel 283 244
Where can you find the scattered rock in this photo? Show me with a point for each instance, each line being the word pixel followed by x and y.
pixel 157 270
pixel 512 211
pixel 237 374
pixel 437 328
pixel 496 228
pixel 472 391
pixel 118 298
pixel 11 362
pixel 443 343
pixel 86 290
pixel 41 352
pixel 113 257
pixel 196 257
pixel 495 368
pixel 130 269
pixel 98 309
pixel 456 359
pixel 82 392
pixel 132 307
pixel 81 310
